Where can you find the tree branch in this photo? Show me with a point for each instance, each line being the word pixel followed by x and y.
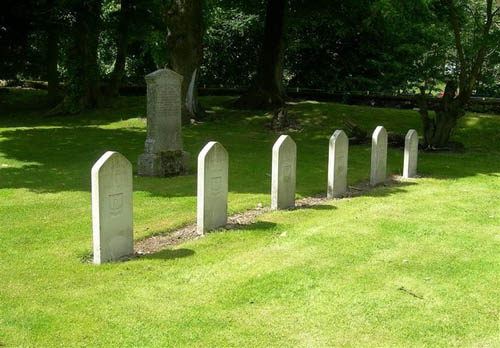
pixel 458 42
pixel 481 54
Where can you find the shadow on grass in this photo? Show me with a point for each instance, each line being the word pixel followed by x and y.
pixel 316 207
pixel 258 225
pixel 27 108
pixel 169 254
pixel 161 249
pixel 388 189
pixel 60 158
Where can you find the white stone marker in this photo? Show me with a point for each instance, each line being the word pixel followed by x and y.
pixel 337 164
pixel 379 156
pixel 283 173
pixel 411 154
pixel 112 220
pixel 212 187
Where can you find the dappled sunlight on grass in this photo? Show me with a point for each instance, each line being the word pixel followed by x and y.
pixel 412 264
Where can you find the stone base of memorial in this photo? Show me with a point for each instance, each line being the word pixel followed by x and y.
pixel 167 163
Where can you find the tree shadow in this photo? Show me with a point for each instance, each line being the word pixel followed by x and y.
pixel 257 225
pixel 388 189
pixel 315 207
pixel 27 108
pixel 169 254
pixel 59 158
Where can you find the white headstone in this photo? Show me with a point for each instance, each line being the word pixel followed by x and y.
pixel 337 164
pixel 112 220
pixel 411 154
pixel 212 187
pixel 379 156
pixel 283 173
pixel 163 151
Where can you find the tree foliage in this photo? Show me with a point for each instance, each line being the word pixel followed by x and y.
pixel 384 46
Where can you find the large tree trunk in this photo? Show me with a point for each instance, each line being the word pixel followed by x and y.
pixel 267 89
pixel 52 60
pixel 52 55
pixel 83 90
pixel 438 129
pixel 121 49
pixel 184 41
pixel 87 40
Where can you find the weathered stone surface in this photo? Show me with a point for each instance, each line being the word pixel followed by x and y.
pixel 283 173
pixel 163 154
pixel 379 156
pixel 112 220
pixel 212 187
pixel 166 163
pixel 337 164
pixel 411 154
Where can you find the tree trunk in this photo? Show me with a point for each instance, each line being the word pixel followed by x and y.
pixel 83 69
pixel 52 60
pixel 121 49
pixel 184 41
pixel 267 89
pixel 438 129
pixel 52 55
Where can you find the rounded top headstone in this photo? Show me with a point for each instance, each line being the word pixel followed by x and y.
pixel 380 130
pixel 379 135
pixel 283 140
pixel 109 157
pixel 411 133
pixel 164 74
pixel 211 147
pixel 338 134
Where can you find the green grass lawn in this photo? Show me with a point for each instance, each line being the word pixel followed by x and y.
pixel 336 279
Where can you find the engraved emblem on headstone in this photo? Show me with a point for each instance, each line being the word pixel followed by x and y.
pixel 379 156
pixel 287 173
pixel 411 154
pixel 112 220
pixel 337 164
pixel 216 185
pixel 212 187
pixel 283 173
pixel 116 204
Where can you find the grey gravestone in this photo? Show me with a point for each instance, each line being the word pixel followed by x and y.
pixel 379 156
pixel 163 151
pixel 337 164
pixel 411 154
pixel 283 173
pixel 212 187
pixel 112 220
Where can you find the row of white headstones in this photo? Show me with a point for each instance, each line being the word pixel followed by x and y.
pixel 112 213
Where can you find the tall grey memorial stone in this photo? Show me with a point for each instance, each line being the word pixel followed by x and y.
pixel 337 164
pixel 379 156
pixel 283 173
pixel 112 220
pixel 164 154
pixel 411 154
pixel 212 187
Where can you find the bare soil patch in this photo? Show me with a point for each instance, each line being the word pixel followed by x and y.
pixel 158 243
